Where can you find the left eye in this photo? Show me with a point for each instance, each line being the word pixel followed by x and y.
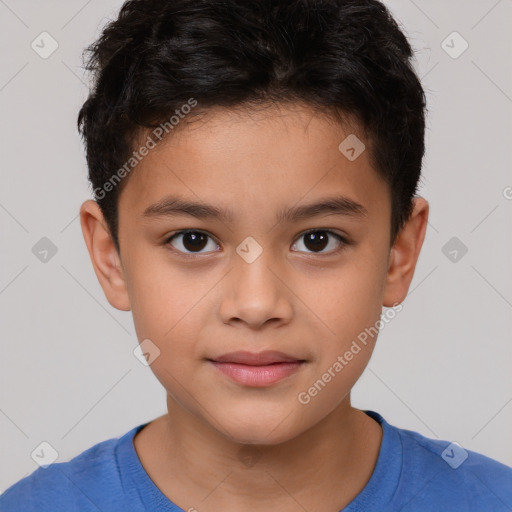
pixel 317 240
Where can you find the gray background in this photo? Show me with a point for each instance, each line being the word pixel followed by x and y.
pixel 441 367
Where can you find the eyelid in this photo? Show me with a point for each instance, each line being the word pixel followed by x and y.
pixel 326 230
pixel 344 241
pixel 189 230
pixel 169 238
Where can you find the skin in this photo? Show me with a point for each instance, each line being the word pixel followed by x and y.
pixel 316 456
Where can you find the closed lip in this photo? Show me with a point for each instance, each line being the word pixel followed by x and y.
pixel 256 358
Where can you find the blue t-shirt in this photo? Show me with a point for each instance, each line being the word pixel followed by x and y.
pixel 413 473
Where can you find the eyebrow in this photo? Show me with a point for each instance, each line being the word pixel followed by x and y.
pixel 174 206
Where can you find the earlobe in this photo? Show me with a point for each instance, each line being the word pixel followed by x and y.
pixel 404 254
pixel 104 256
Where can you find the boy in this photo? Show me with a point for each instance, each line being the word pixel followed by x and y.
pixel 254 167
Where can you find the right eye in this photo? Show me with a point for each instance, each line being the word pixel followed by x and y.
pixel 191 241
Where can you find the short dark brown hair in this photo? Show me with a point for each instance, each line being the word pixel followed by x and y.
pixel 347 57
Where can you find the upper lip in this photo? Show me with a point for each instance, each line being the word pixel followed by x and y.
pixel 256 358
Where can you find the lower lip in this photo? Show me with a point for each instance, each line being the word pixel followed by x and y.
pixel 257 376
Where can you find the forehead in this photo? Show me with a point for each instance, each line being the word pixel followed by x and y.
pixel 254 162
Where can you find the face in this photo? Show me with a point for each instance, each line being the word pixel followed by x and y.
pixel 256 267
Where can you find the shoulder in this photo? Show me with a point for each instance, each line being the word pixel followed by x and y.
pixel 457 478
pixel 86 482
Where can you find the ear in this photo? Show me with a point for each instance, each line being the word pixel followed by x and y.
pixel 404 254
pixel 104 256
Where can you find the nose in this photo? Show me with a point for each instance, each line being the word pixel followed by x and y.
pixel 255 294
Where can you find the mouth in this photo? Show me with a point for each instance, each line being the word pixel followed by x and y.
pixel 257 369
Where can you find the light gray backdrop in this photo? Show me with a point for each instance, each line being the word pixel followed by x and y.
pixel 441 367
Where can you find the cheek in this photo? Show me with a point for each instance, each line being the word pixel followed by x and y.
pixel 167 317
pixel 345 301
pixel 160 295
pixel 168 308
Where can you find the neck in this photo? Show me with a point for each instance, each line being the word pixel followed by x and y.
pixel 323 468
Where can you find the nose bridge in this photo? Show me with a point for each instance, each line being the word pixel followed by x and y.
pixel 253 293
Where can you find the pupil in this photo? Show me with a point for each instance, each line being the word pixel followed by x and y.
pixel 317 240
pixel 194 240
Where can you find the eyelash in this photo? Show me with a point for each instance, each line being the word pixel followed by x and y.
pixel 342 240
